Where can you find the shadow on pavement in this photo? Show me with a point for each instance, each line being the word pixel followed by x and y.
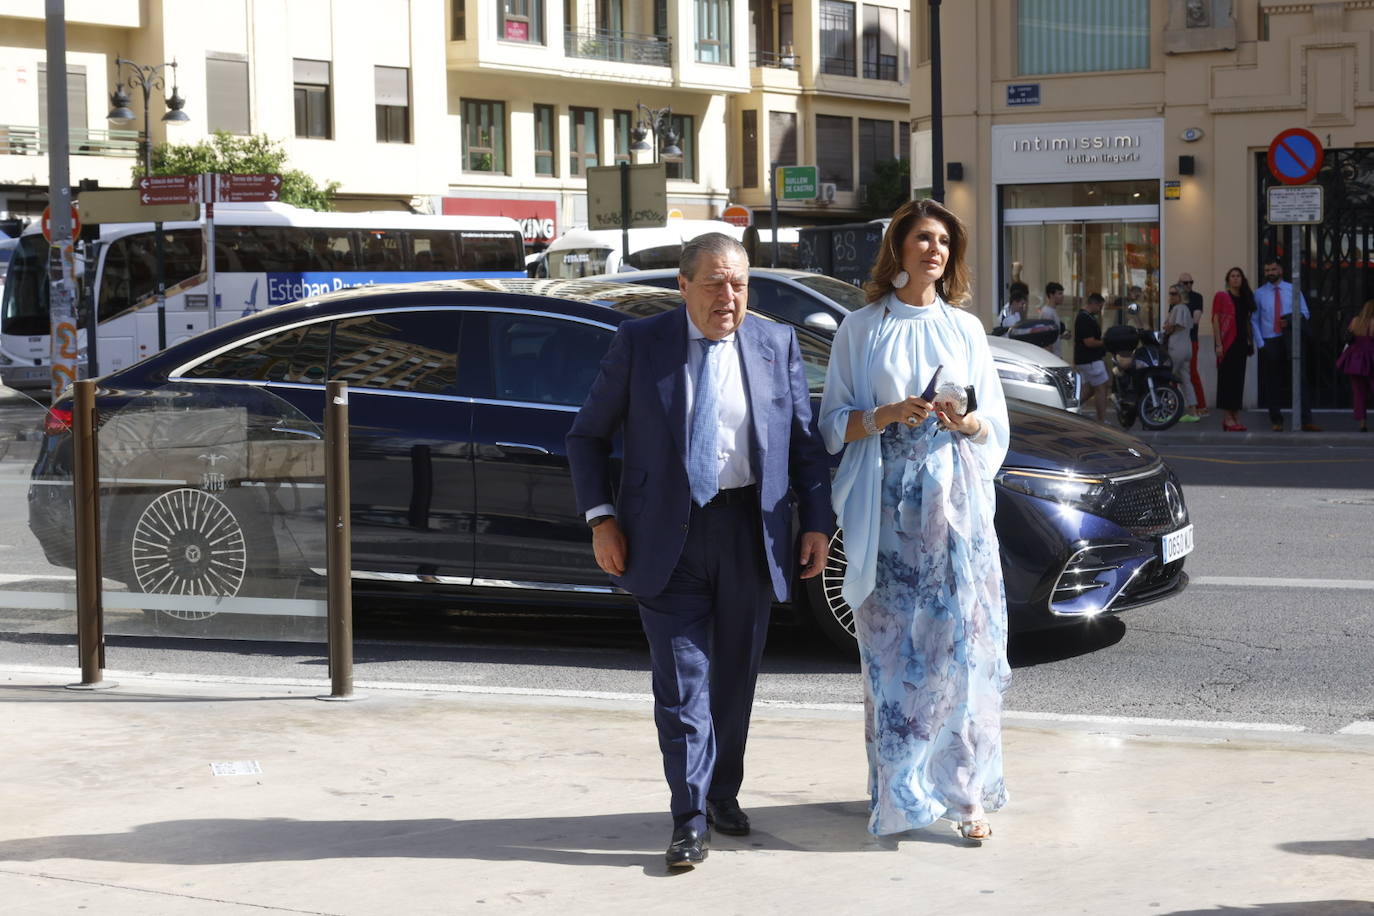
pixel 1305 908
pixel 1040 647
pixel 1355 849
pixel 610 840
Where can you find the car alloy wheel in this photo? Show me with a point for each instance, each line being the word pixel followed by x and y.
pixel 188 542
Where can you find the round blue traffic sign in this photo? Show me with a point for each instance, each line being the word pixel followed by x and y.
pixel 1295 156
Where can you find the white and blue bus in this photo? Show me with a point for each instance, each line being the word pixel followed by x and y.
pixel 266 254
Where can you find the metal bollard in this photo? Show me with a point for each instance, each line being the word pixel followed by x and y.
pixel 338 542
pixel 90 613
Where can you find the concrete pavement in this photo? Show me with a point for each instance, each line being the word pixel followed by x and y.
pixel 433 801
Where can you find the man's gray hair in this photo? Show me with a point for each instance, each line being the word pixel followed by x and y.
pixel 712 243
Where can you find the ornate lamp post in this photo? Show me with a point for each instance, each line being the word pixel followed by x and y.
pixel 658 121
pixel 147 79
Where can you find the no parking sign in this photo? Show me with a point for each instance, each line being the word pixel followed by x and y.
pixel 1295 156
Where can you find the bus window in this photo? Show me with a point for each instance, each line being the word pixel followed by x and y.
pixel 655 258
pixel 501 251
pixel 26 289
pixel 577 262
pixel 130 273
pixel 382 249
pixel 330 249
pixel 434 250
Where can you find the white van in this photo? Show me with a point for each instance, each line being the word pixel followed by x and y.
pixel 583 252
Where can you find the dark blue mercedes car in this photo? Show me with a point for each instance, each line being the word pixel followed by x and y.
pixel 460 394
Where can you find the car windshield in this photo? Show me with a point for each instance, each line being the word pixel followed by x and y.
pixel 837 291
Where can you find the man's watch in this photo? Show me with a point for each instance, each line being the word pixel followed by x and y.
pixel 597 519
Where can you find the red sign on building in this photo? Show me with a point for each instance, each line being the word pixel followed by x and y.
pixel 538 218
pixel 169 189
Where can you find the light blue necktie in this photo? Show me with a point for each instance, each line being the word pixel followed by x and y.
pixel 703 468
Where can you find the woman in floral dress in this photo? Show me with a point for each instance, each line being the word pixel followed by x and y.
pixel 914 497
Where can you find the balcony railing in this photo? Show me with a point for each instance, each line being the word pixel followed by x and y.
pixel 624 47
pixel 775 59
pixel 24 140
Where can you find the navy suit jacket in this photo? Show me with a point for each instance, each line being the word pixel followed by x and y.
pixel 641 393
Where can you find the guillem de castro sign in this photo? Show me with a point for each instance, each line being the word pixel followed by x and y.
pixel 1078 151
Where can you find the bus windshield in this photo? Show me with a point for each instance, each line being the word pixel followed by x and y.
pixel 25 305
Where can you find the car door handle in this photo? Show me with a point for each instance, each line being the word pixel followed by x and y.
pixel 308 433
pixel 537 449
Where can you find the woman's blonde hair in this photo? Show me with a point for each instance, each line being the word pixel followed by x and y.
pixel 953 286
pixel 1365 320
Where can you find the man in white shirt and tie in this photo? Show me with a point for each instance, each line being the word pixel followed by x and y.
pixel 1271 326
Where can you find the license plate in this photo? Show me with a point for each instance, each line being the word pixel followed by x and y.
pixel 1177 544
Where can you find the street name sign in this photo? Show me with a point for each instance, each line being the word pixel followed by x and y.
pixel 169 189
pixel 797 182
pixel 1295 206
pixel 231 189
pixel 126 206
pixel 1295 156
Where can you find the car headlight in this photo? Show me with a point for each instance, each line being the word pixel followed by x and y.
pixel 1016 371
pixel 1090 494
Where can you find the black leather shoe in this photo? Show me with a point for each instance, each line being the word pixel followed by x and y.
pixel 688 847
pixel 727 818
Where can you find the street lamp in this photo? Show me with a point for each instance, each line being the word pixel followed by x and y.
pixel 147 79
pixel 659 121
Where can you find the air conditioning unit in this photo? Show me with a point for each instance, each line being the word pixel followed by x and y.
pixel 827 192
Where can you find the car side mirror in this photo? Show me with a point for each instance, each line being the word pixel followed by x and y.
pixel 821 321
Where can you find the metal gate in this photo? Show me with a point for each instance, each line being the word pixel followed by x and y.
pixel 1337 260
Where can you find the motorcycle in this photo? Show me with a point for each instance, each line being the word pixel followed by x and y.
pixel 1143 382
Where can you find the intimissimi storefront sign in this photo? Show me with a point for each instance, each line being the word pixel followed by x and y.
pixel 1078 151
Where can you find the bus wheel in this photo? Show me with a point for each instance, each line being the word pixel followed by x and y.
pixel 188 542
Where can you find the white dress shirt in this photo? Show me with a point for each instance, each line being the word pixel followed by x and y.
pixel 732 405
pixel 1262 322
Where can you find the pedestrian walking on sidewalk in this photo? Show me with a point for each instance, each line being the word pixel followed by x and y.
pixel 1177 323
pixel 915 498
pixel 1232 309
pixel 1088 353
pixel 718 442
pixel 1357 361
pixel 1272 326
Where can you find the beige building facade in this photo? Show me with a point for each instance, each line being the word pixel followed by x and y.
pixel 480 106
pixel 1117 144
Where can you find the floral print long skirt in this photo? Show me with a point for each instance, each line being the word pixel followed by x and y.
pixel 933 637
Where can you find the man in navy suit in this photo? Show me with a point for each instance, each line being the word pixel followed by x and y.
pixel 719 444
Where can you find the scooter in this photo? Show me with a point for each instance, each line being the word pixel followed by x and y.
pixel 1143 382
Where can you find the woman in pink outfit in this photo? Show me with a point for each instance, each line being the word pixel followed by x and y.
pixel 1358 362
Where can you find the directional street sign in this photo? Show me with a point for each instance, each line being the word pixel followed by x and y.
pixel 796 182
pixel 169 189
pixel 1299 206
pixel 1295 156
pixel 244 188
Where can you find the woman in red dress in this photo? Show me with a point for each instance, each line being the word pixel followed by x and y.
pixel 1231 311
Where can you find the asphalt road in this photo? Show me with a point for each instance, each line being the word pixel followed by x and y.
pixel 1276 631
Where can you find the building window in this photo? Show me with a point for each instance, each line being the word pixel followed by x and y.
pixel 484 136
pixel 77 115
pixel 585 146
pixel 684 167
pixel 460 21
pixel 1082 36
pixel 875 145
pixel 714 29
pixel 880 43
pixel 545 140
pixel 749 176
pixel 837 37
pixel 521 20
pixel 393 104
pixel 624 124
pixel 314 116
pixel 904 140
pixel 226 93
pixel 835 147
pixel 782 137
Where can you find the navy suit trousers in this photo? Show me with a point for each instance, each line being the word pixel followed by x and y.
pixel 706 633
